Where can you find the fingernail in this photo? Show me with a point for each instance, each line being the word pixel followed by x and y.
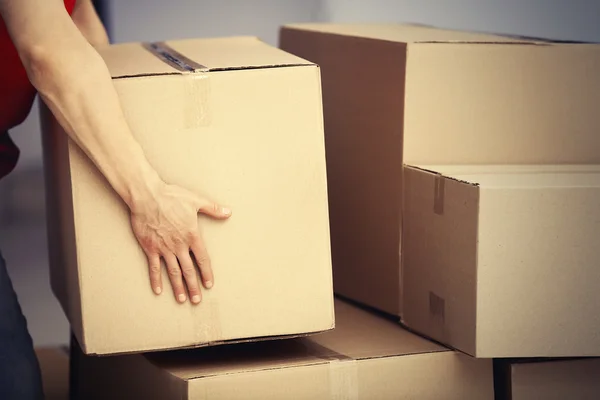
pixel 181 297
pixel 157 290
pixel 208 284
pixel 226 211
pixel 196 299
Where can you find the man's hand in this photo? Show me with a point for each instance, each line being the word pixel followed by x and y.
pixel 167 227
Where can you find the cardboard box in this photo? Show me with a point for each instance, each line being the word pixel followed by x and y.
pixel 365 357
pixel 54 364
pixel 415 94
pixel 245 128
pixel 502 261
pixel 552 379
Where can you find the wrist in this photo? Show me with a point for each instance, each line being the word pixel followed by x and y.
pixel 142 191
pixel 99 41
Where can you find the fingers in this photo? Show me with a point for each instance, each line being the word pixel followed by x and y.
pixel 175 276
pixel 213 209
pixel 203 261
pixel 199 250
pixel 155 273
pixel 190 275
pixel 179 244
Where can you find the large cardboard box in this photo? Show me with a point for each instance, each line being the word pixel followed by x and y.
pixel 415 94
pixel 552 379
pixel 365 357
pixel 245 128
pixel 502 261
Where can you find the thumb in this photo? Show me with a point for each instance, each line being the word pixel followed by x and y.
pixel 213 209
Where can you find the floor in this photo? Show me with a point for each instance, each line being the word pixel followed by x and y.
pixel 23 245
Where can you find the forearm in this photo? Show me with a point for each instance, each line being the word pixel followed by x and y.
pixel 87 21
pixel 95 33
pixel 78 89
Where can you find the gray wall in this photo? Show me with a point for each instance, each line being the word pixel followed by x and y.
pixel 145 20
pixel 558 19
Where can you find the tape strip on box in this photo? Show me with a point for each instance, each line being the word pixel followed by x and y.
pixel 173 58
pixel 196 84
pixel 438 194
pixel 196 112
pixel 207 327
pixel 343 379
pixel 437 307
pixel 342 371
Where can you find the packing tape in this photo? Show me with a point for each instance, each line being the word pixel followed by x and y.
pixel 173 58
pixel 437 307
pixel 438 194
pixel 207 325
pixel 343 379
pixel 342 371
pixel 196 92
pixel 195 81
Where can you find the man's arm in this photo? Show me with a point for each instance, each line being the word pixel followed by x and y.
pixel 87 21
pixel 74 82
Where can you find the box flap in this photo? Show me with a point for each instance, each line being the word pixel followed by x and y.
pixel 514 176
pixel 194 55
pixel 407 33
pixel 358 335
pixel 237 358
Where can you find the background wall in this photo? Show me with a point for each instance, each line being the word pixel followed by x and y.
pixel 22 228
pixel 558 19
pixel 158 20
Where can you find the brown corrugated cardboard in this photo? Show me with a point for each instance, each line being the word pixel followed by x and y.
pixel 54 364
pixel 244 128
pixel 502 261
pixel 421 95
pixel 553 380
pixel 365 357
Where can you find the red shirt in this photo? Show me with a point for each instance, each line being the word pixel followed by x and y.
pixel 16 95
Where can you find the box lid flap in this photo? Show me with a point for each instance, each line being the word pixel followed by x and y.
pixel 358 335
pixel 516 176
pixel 408 33
pixel 194 55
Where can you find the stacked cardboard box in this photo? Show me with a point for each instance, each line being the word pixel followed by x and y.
pixel 550 379
pixel 501 261
pixel 480 155
pixel 365 357
pixel 432 168
pixel 416 95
